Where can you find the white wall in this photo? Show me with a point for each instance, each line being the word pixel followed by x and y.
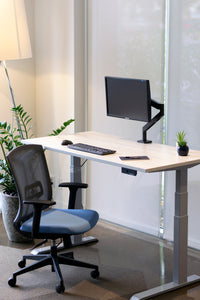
pixel 59 76
pixel 54 67
pixel 50 85
pixel 22 78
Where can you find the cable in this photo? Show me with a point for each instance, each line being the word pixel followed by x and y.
pixel 83 163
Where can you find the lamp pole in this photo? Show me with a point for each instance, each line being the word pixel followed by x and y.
pixel 12 98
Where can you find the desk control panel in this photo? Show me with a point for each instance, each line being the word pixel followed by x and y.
pixel 129 171
pixel 91 149
pixel 134 157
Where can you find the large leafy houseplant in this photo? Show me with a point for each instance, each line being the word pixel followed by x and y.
pixel 9 139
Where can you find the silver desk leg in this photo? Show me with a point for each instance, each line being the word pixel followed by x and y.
pixel 180 227
pixel 75 176
pixel 180 278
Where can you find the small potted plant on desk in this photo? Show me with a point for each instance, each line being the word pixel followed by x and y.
pixel 9 139
pixel 182 147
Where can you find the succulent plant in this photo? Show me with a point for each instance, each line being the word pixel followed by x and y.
pixel 181 138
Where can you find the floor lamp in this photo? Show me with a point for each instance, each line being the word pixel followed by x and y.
pixel 14 38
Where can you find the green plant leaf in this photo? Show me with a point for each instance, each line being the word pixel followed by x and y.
pixel 63 126
pixel 181 138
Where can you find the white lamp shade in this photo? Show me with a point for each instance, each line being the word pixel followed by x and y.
pixel 14 35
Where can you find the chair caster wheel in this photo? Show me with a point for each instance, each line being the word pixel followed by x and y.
pixel 94 274
pixel 12 281
pixel 22 263
pixel 60 288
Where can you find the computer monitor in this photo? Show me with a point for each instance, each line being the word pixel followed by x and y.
pixel 131 99
pixel 128 98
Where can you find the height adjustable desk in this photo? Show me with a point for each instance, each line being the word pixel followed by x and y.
pixel 162 158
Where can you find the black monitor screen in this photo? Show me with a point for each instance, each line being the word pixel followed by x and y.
pixel 128 98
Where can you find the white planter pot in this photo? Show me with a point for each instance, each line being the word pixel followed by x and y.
pixel 10 206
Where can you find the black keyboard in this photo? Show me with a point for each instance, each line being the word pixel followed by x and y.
pixel 91 149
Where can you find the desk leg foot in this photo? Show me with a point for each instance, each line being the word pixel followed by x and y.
pixel 84 240
pixel 168 287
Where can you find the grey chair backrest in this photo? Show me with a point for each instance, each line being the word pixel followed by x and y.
pixel 31 175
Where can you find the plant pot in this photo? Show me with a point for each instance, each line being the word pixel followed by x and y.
pixel 183 150
pixel 10 206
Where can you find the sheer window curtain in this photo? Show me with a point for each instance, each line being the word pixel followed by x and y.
pixel 183 108
pixel 125 38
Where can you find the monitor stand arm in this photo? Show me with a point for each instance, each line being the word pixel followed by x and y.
pixel 155 119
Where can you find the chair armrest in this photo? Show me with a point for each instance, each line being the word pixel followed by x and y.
pixel 40 202
pixel 37 210
pixel 73 187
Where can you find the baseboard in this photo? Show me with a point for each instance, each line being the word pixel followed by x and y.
pixel 132 225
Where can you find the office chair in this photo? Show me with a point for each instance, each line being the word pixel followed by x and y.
pixel 37 219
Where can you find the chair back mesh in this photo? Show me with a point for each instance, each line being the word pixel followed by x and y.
pixel 30 171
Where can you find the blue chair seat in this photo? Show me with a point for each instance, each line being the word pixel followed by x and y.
pixel 54 221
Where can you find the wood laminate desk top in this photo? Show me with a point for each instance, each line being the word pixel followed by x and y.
pixel 162 157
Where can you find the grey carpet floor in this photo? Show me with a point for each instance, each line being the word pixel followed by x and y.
pixel 129 263
pixel 40 284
